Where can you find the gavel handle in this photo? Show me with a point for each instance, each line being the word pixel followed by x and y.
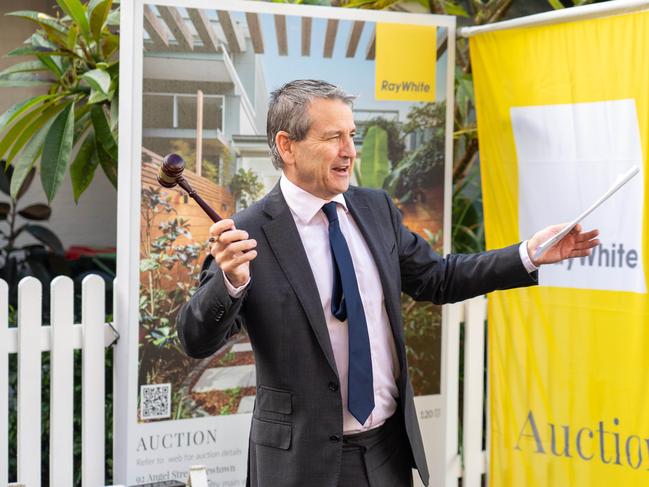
pixel 183 183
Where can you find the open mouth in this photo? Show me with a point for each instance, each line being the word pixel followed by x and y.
pixel 341 169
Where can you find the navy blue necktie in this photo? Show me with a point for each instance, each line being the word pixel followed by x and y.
pixel 346 303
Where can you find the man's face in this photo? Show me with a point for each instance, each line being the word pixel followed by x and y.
pixel 323 161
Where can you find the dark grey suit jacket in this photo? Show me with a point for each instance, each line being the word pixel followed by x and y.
pixel 295 438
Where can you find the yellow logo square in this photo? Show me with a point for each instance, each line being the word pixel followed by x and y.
pixel 405 62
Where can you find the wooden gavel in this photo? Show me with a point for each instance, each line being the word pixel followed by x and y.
pixel 171 174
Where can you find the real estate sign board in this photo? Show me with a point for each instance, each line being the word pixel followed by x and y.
pixel 195 81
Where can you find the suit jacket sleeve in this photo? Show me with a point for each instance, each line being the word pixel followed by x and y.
pixel 427 276
pixel 211 316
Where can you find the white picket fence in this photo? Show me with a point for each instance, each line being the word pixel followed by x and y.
pixel 60 338
pixel 472 314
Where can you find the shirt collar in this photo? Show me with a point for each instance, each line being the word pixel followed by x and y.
pixel 303 204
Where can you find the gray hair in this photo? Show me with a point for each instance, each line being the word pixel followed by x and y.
pixel 287 110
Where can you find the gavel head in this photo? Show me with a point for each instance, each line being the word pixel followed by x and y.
pixel 172 168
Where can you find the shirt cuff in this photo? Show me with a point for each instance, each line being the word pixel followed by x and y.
pixel 235 292
pixel 525 258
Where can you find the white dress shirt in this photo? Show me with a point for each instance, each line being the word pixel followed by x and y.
pixel 313 227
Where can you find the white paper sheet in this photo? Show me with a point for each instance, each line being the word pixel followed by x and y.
pixel 621 181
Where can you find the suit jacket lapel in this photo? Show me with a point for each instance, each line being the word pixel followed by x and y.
pixel 370 228
pixel 285 242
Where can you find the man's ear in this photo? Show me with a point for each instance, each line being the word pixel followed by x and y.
pixel 285 147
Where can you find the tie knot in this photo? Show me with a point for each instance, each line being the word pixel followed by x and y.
pixel 330 210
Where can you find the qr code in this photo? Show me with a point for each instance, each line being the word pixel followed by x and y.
pixel 155 401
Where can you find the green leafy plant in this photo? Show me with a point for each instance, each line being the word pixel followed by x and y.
pixel 418 171
pixel 422 325
pixel 75 59
pixel 159 304
pixel 167 268
pixel 227 358
pixel 246 187
pixel 423 167
pixel 233 396
pixel 396 146
pixel 182 406
pixel 374 164
pixel 467 234
pixel 32 259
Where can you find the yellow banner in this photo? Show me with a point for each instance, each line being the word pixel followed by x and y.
pixel 402 73
pixel 563 109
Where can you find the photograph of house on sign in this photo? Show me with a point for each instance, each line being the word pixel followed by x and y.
pixel 207 75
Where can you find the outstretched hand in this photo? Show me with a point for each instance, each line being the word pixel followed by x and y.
pixel 574 244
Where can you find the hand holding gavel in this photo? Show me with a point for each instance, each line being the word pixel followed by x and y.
pixel 231 248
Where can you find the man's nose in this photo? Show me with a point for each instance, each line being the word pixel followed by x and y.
pixel 348 149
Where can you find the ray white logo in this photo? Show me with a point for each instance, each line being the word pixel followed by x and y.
pixel 568 156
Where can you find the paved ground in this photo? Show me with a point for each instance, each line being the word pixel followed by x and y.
pixel 230 377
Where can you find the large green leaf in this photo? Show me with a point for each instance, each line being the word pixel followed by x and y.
pixel 23 80
pixel 98 79
pixel 76 50
pixel 82 170
pixel 34 51
pixel 56 31
pixel 58 39
pixel 113 69
pixel 53 63
pixel 26 159
pixel 41 19
pixel 108 164
pixel 109 45
pixel 56 151
pixel 81 125
pixel 103 134
pixel 375 165
pixel 82 112
pixel 98 17
pixel 46 236
pixel 26 67
pixel 73 36
pixel 114 112
pixel 21 107
pixel 9 137
pixel 39 41
pixel 48 114
pixel 97 97
pixel 77 12
pixel 5 181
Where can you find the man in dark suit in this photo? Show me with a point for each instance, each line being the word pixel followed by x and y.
pixel 314 273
